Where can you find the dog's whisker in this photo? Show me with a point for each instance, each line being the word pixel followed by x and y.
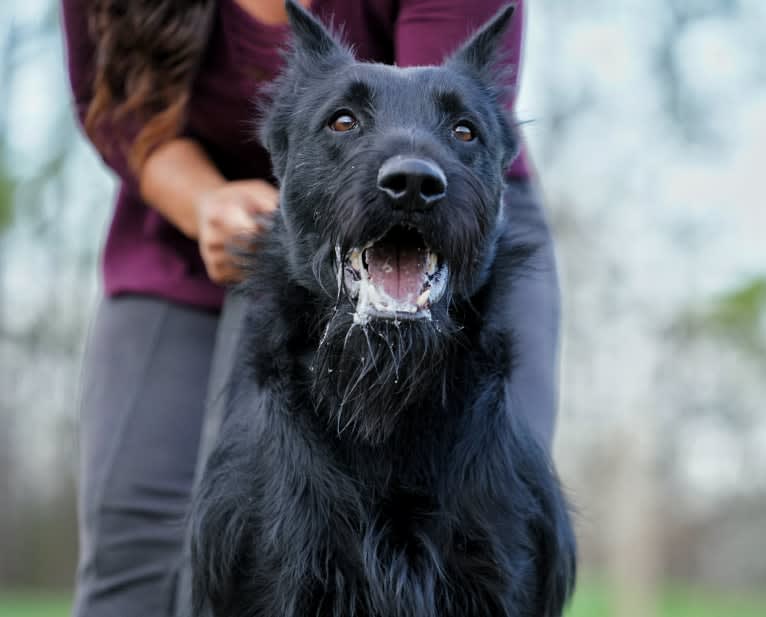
pixel 339 268
pixel 389 345
pixel 346 396
pixel 369 346
pixel 323 339
pixel 317 271
pixel 348 335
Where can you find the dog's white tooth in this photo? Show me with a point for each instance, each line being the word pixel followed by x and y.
pixel 439 283
pixel 423 298
pixel 432 262
pixel 356 259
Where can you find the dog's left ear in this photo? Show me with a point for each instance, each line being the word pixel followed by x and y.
pixel 480 58
pixel 480 54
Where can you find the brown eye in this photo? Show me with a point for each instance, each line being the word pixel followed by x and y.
pixel 343 122
pixel 464 132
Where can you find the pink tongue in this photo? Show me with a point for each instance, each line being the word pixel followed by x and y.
pixel 397 270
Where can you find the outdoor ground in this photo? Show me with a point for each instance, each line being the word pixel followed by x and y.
pixel 591 600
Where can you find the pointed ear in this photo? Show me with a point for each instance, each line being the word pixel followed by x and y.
pixel 314 50
pixel 480 53
pixel 309 33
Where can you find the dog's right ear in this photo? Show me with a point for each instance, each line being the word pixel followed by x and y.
pixel 310 36
pixel 314 49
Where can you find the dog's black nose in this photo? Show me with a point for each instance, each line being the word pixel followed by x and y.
pixel 412 182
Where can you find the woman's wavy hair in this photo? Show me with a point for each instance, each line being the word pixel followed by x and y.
pixel 147 54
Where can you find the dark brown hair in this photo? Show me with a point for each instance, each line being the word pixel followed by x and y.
pixel 147 54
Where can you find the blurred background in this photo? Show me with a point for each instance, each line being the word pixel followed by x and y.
pixel 647 121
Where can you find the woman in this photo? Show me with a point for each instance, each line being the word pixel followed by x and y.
pixel 165 92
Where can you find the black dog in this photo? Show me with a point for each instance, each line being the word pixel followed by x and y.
pixel 374 468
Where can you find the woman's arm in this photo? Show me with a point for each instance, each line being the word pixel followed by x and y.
pixel 172 180
pixel 178 179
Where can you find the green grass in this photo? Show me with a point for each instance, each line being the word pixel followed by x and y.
pixel 34 604
pixel 591 600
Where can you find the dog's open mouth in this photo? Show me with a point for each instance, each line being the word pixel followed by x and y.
pixel 395 277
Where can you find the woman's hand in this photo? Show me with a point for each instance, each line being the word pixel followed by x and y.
pixel 181 182
pixel 228 216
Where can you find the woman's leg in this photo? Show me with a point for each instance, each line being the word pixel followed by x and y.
pixel 143 393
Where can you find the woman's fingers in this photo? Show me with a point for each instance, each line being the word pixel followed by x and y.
pixel 229 217
pixel 264 197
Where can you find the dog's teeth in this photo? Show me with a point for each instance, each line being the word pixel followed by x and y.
pixel 423 298
pixel 356 259
pixel 432 263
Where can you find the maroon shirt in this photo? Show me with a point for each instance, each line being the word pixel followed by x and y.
pixel 144 252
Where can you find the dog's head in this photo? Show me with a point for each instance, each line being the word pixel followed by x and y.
pixel 391 189
pixel 391 178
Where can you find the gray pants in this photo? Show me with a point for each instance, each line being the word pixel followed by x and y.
pixel 155 379
pixel 144 392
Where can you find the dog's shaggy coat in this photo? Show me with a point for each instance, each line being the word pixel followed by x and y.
pixel 373 465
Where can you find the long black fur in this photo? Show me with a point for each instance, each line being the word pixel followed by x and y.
pixel 378 469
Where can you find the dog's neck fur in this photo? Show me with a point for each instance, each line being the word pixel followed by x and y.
pixel 373 384
pixel 390 380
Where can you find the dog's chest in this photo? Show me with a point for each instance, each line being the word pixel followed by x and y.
pixel 405 558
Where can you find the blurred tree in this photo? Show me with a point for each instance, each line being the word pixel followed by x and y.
pixel 740 315
pixel 6 182
pixel 653 415
pixel 7 186
pixel 660 422
pixel 43 266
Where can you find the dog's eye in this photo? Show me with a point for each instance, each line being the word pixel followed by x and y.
pixel 464 132
pixel 342 122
